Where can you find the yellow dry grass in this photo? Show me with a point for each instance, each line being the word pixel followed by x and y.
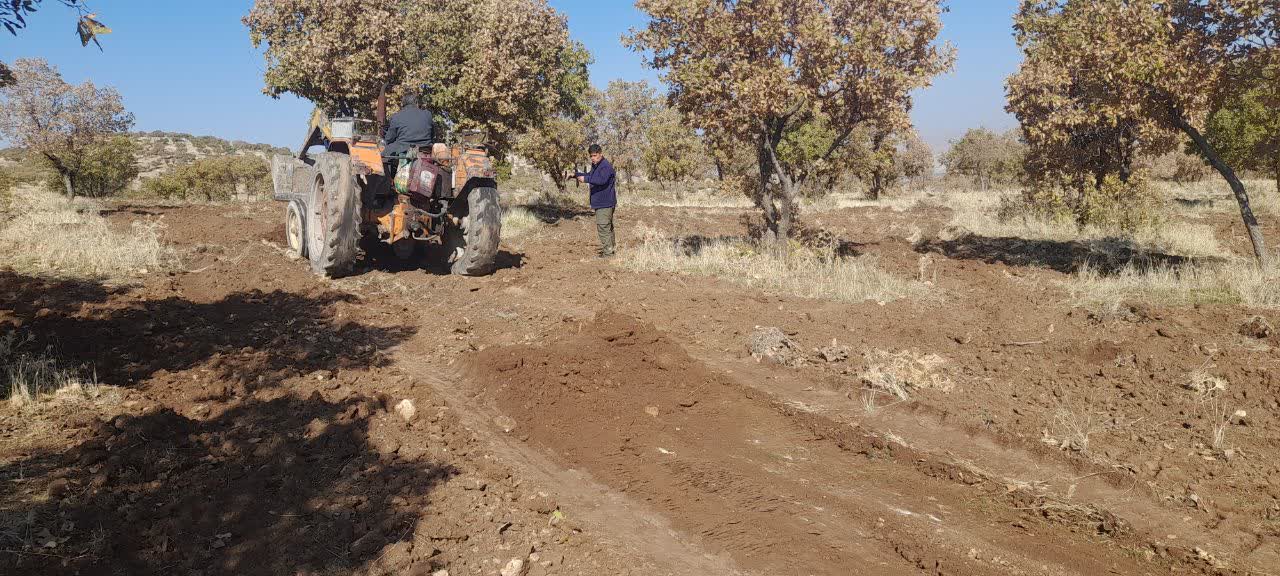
pixel 518 221
pixel 28 377
pixel 977 213
pixel 48 235
pixel 800 272
pixel 1238 282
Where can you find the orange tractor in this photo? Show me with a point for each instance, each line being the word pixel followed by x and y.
pixel 338 192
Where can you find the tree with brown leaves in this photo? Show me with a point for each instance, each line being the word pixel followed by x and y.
pixel 1137 68
pixel 755 71
pixel 501 66
pixel 623 112
pixel 56 121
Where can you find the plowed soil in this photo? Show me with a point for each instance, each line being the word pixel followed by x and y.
pixel 585 419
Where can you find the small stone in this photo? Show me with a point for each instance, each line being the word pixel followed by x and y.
pixel 506 423
pixel 440 573
pixel 513 568
pixel 406 410
pixel 651 410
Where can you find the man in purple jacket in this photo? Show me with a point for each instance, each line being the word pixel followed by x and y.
pixel 604 198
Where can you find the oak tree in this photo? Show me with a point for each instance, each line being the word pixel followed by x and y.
pixel 1144 66
pixel 57 121
pixel 623 111
pixel 985 156
pixel 500 66
pixel 755 71
pixel 672 150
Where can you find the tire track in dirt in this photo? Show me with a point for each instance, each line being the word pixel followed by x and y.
pixel 621 401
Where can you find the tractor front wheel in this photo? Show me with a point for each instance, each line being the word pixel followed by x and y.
pixel 333 216
pixel 295 230
pixel 473 244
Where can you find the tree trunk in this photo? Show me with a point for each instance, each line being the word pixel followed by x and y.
pixel 68 185
pixel 764 195
pixel 1237 187
pixel 786 216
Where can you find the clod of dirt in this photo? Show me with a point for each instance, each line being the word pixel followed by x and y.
pixel 770 343
pixel 833 353
pixel 1257 327
pixel 407 411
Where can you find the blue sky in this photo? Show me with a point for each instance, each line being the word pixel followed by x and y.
pixel 187 66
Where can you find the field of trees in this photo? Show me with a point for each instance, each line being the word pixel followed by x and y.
pixel 824 347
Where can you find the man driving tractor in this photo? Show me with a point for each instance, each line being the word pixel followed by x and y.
pixel 411 126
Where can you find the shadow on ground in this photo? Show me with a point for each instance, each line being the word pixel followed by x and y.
pixel 694 244
pixel 430 258
pixel 252 338
pixel 552 212
pixel 1106 256
pixel 285 486
pixel 249 478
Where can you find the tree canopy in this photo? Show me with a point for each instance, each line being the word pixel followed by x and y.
pixel 756 71
pixel 57 121
pixel 501 66
pixel 987 157
pixel 1102 74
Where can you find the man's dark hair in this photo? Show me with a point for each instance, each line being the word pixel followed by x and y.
pixel 594 149
pixel 410 99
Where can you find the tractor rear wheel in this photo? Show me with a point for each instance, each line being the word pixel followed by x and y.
pixel 333 218
pixel 473 245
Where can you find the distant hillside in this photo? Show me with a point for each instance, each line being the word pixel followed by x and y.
pixel 158 151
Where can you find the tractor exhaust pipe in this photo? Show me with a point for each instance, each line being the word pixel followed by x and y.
pixel 380 111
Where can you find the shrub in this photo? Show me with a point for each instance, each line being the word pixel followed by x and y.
pixel 7 182
pixel 104 169
pixel 211 179
pixel 1123 206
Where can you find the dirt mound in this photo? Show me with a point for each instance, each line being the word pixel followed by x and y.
pixel 615 374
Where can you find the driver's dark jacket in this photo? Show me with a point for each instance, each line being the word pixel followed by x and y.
pixel 411 126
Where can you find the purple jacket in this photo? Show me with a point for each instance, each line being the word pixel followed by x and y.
pixel 601 179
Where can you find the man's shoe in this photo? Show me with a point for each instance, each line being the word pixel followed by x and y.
pixel 605 255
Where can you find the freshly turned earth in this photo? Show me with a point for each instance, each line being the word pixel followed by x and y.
pixel 586 419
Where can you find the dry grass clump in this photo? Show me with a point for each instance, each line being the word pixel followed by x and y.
pixel 799 272
pixel 980 214
pixel 49 235
pixel 1203 382
pixel 1214 195
pixel 688 194
pixel 1234 282
pixel 518 221
pixel 900 373
pixel 28 377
